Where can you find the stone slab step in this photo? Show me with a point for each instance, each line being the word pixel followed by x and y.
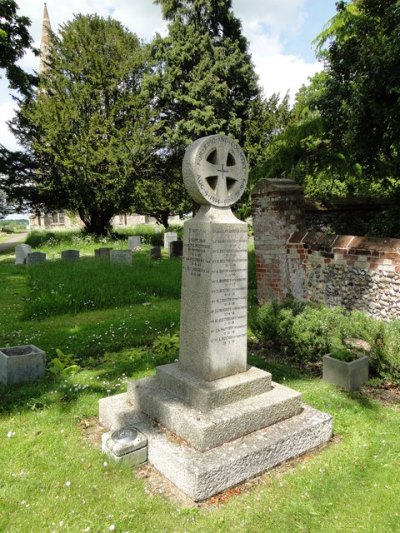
pixel 208 430
pixel 208 395
pixel 201 475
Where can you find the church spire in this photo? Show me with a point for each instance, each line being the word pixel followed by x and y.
pixel 45 40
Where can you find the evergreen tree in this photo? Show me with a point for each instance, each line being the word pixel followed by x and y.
pixel 87 133
pixel 203 81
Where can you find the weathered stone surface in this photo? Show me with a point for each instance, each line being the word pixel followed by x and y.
pixel 207 430
pixel 348 375
pixel 203 474
pixel 176 249
pixel 102 253
pixel 21 363
pixel 215 171
pixel 21 253
pixel 213 334
pixel 155 253
pixel 34 258
pixel 134 242
pixel 169 236
pixel 70 255
pixel 133 454
pixel 121 257
pixel 207 395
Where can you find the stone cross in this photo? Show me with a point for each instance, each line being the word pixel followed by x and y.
pixel 214 282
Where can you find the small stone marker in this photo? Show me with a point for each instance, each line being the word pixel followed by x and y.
pixel 155 253
pixel 126 445
pixel 176 249
pixel 122 257
pixel 169 236
pixel 102 253
pixel 34 258
pixel 21 253
pixel 21 363
pixel 134 242
pixel 70 255
pixel 233 421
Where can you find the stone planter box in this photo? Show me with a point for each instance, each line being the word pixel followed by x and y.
pixel 349 376
pixel 21 363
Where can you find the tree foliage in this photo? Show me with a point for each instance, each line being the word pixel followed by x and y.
pixel 345 138
pixel 204 81
pixel 87 134
pixel 14 41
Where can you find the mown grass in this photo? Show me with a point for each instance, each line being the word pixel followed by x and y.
pixel 52 478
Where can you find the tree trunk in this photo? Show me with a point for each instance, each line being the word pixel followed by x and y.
pixel 98 224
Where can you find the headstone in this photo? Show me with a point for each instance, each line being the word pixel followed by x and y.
pixel 70 255
pixel 169 236
pixel 155 253
pixel 134 242
pixel 121 257
pixel 21 253
pixel 102 253
pixel 176 249
pixel 34 258
pixel 21 363
pixel 234 421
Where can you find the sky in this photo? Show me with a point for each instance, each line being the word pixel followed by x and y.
pixel 280 35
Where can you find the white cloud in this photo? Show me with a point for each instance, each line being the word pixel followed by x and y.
pixel 275 16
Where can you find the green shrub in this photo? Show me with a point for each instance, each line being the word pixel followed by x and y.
pixel 166 345
pixel 307 331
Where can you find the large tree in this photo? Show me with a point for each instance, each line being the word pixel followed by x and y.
pixel 360 104
pixel 87 133
pixel 14 42
pixel 203 81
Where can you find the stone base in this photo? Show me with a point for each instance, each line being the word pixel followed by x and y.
pixel 200 475
pixel 208 430
pixel 207 395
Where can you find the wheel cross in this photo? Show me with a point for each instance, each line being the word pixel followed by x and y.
pixel 215 171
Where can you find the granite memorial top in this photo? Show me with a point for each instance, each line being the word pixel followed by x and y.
pixel 215 171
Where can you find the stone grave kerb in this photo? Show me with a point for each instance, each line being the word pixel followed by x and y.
pixel 213 333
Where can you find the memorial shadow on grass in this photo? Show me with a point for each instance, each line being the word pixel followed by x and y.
pixel 101 380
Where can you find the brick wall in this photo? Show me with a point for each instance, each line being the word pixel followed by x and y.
pixel 350 271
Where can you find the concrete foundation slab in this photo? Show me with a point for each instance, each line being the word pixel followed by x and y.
pixel 200 475
pixel 207 395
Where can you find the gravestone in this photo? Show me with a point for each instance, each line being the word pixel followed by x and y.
pixel 134 243
pixel 176 249
pixel 231 421
pixel 121 257
pixel 21 253
pixel 169 236
pixel 34 258
pixel 21 363
pixel 155 253
pixel 70 255
pixel 102 253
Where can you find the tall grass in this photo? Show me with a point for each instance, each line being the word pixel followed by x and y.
pixel 59 287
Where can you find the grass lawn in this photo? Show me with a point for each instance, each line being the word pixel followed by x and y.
pixel 54 478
